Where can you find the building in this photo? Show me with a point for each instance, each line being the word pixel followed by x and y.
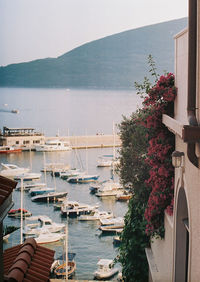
pixel 176 258
pixel 25 138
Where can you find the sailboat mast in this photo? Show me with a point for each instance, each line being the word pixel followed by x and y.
pixel 22 190
pixel 66 250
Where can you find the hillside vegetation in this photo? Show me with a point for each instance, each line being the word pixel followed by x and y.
pixel 112 62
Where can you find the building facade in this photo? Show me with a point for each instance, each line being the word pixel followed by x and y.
pixel 177 257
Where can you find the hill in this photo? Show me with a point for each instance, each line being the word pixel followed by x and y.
pixel 115 61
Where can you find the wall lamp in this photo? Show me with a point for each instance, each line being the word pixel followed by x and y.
pixel 178 159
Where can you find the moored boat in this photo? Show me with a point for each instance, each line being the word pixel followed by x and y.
pixel 49 197
pixel 85 178
pixel 9 150
pixel 46 237
pixel 105 269
pixel 29 176
pixel 73 208
pixel 96 215
pixel 40 191
pixel 12 170
pixel 16 213
pixel 53 146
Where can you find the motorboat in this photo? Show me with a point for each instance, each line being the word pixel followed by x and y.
pixel 70 173
pixel 83 178
pixel 12 170
pixel 109 188
pixel 27 187
pixel 53 146
pixel 124 196
pixel 58 204
pixel 73 208
pixel 105 269
pixel 59 266
pixel 42 222
pixel 16 213
pixel 29 176
pixel 96 215
pixel 49 197
pixel 46 237
pixel 40 191
pixel 112 225
pixel 9 149
pixel 49 167
pixel 104 161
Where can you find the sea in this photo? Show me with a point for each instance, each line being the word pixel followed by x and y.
pixel 68 112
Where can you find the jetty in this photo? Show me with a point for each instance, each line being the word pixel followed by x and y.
pixel 28 138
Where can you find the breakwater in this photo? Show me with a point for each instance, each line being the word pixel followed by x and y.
pixel 90 141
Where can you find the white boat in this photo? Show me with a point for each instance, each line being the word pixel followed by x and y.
pixel 53 146
pixel 109 188
pixel 27 187
pixel 70 173
pixel 42 222
pixel 40 191
pixel 29 176
pixel 105 269
pixel 96 215
pixel 112 221
pixel 83 178
pixel 52 167
pixel 73 208
pixel 49 197
pixel 12 170
pixel 46 237
pixel 104 161
pixel 112 225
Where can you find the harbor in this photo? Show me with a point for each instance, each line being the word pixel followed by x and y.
pixel 84 237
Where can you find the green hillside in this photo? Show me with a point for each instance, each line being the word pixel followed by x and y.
pixel 112 62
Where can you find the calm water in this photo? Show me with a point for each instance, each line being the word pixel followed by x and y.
pixel 72 112
pixel 75 111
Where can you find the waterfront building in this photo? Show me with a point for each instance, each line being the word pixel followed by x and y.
pixel 25 138
pixel 176 257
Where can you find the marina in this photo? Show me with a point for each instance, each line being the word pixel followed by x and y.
pixel 85 237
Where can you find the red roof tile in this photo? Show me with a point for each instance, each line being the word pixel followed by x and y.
pixel 6 187
pixel 27 262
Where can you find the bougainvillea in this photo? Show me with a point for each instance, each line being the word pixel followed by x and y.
pixel 161 145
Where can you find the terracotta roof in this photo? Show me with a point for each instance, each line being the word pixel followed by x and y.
pixel 27 262
pixel 6 187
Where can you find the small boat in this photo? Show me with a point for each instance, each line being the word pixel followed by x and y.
pixel 59 269
pixel 27 187
pixel 117 240
pixel 5 237
pixel 112 221
pixel 73 208
pixel 96 215
pixel 15 111
pixel 105 269
pixel 111 229
pixel 42 222
pixel 124 197
pixel 104 161
pixel 53 146
pixel 11 170
pixel 84 178
pixel 70 173
pixel 9 150
pixel 29 176
pixel 46 237
pixel 16 213
pixel 58 204
pixel 109 188
pixel 40 191
pixel 49 197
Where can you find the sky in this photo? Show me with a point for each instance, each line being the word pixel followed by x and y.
pixel 35 29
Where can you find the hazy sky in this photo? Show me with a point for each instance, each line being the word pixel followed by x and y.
pixel 33 29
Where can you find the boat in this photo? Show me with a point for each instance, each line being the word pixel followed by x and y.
pixel 73 208
pixel 48 197
pixel 109 188
pixel 9 150
pixel 16 213
pixel 29 176
pixel 117 240
pixel 104 161
pixel 58 204
pixel 96 215
pixel 12 170
pixel 53 146
pixel 83 178
pixel 42 222
pixel 111 229
pixel 70 173
pixel 15 111
pixel 5 237
pixel 40 191
pixel 124 197
pixel 112 225
pixel 27 187
pixel 59 268
pixel 105 269
pixel 46 237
